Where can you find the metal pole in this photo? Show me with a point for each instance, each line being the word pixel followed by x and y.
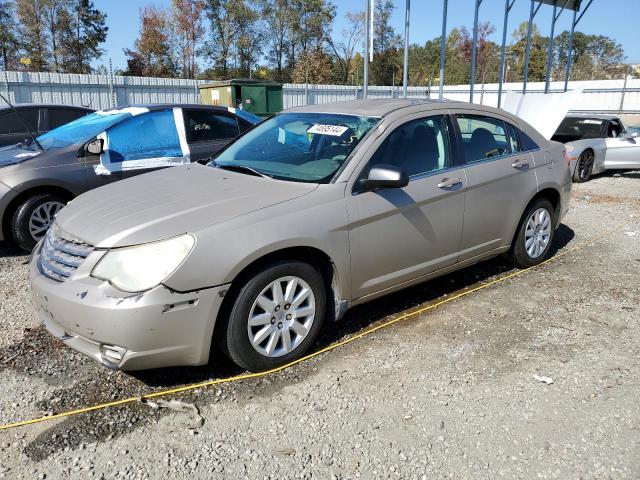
pixel 547 77
pixel 112 99
pixel 507 8
pixel 627 74
pixel 575 22
pixel 405 66
pixel 6 84
pixel 567 72
pixel 473 51
pixel 443 45
pixel 365 82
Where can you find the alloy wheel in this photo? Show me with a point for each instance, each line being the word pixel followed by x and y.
pixel 42 218
pixel 281 316
pixel 537 233
pixel 585 166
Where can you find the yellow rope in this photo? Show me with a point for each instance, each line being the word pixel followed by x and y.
pixel 333 346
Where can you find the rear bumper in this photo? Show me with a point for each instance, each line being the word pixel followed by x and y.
pixel 157 328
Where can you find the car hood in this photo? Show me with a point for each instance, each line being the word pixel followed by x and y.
pixel 170 202
pixel 12 154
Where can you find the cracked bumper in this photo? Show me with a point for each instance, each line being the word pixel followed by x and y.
pixel 157 328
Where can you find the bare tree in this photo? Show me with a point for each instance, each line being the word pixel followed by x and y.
pixel 187 15
pixel 344 50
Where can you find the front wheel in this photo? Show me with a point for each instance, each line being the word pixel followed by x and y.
pixel 535 233
pixel 584 168
pixel 33 217
pixel 276 316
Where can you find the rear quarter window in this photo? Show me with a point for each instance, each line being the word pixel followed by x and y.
pixel 526 143
pixel 209 125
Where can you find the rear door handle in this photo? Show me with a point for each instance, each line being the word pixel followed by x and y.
pixel 520 163
pixel 449 182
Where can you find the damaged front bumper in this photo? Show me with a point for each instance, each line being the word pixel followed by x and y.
pixel 156 328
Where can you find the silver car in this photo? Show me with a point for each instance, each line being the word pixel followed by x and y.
pixel 315 210
pixel 596 143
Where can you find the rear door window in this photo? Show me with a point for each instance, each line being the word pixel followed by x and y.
pixel 483 137
pixel 209 125
pixel 61 116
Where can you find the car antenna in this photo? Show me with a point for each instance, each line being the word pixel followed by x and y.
pixel 24 123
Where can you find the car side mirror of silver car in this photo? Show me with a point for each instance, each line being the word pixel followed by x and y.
pixel 94 147
pixel 633 134
pixel 385 176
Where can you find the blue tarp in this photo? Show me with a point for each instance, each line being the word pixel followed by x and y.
pixel 149 135
pixel 80 130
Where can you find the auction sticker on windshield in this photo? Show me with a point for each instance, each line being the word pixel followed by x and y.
pixel 334 130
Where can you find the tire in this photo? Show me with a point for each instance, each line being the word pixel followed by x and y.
pixel 584 167
pixel 526 252
pixel 271 333
pixel 32 218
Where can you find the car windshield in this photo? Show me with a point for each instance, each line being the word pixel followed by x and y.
pixel 81 130
pixel 301 147
pixel 574 128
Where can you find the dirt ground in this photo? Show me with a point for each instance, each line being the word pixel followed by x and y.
pixel 447 394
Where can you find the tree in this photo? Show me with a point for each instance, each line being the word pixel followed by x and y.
pixel 57 22
pixel 486 51
pixel 152 55
pixel 9 41
pixel 538 56
pixel 594 56
pixel 278 15
pixel 189 30
pixel 314 66
pixel 310 26
pixel 223 31
pixel 33 34
pixel 88 32
pixel 248 49
pixel 387 65
pixel 344 50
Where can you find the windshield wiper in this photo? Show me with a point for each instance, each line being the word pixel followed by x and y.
pixel 24 123
pixel 240 169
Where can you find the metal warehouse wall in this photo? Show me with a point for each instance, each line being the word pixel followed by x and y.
pixel 105 91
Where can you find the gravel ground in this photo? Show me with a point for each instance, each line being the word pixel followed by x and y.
pixel 447 394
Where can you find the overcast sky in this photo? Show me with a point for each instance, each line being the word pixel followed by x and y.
pixel 620 23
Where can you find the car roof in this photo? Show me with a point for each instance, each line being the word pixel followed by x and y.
pixel 378 107
pixel 599 116
pixel 163 106
pixel 45 105
pixel 381 107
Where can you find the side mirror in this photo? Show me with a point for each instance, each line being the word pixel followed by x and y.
pixel 94 147
pixel 385 176
pixel 633 134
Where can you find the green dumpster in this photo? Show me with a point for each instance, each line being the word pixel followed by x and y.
pixel 259 97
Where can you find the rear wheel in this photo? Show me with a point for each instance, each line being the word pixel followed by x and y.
pixel 33 217
pixel 276 316
pixel 584 168
pixel 535 234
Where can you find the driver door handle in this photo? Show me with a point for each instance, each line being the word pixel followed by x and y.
pixel 449 182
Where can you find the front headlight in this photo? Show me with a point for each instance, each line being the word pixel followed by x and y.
pixel 569 148
pixel 139 268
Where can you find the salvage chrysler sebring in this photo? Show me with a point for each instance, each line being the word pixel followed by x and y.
pixel 309 213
